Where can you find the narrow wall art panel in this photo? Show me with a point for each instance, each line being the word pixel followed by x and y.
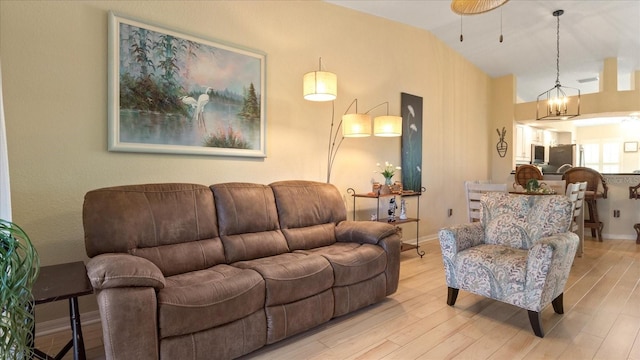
pixel 411 142
pixel 172 92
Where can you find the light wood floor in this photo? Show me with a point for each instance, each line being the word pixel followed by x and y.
pixel 601 320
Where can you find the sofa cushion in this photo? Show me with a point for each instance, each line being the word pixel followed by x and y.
pixel 248 221
pixel 172 225
pixel 291 276
pixel 181 258
pixel 520 221
pixel 494 271
pixel 352 262
pixel 303 206
pixel 207 298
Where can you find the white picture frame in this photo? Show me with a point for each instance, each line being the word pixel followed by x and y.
pixel 172 92
pixel 630 146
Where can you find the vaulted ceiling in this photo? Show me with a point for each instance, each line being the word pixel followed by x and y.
pixel 590 31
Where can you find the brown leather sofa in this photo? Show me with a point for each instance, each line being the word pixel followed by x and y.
pixel 185 271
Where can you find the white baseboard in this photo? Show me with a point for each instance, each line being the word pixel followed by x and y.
pixel 57 325
pixel 618 236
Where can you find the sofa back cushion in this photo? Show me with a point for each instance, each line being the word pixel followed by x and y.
pixel 520 221
pixel 248 221
pixel 172 225
pixel 308 212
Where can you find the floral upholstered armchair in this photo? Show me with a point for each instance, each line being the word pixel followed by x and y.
pixel 520 252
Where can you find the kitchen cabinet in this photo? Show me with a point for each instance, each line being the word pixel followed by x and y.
pixel 522 147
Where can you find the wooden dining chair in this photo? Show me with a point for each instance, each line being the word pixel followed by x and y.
pixel 474 190
pixel 576 192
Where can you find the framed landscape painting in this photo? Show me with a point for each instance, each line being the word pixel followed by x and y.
pixel 171 92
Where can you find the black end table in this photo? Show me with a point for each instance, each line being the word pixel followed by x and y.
pixel 59 282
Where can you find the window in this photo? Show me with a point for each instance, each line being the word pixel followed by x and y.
pixel 603 156
pixel 611 157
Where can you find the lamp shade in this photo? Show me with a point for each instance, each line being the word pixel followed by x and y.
pixel 356 125
pixel 387 126
pixel 320 86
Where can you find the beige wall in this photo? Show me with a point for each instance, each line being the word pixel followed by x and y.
pixel 54 62
pixel 503 93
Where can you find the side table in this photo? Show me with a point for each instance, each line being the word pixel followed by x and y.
pixel 397 221
pixel 59 282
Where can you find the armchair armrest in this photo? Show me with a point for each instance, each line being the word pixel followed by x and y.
pixel 369 232
pixel 457 238
pixel 123 270
pixel 548 264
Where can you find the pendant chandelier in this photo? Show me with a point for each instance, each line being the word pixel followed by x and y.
pixel 555 104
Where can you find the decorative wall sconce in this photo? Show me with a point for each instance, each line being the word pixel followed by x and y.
pixel 502 145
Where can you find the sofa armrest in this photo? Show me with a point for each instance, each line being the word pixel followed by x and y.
pixel 123 270
pixel 548 264
pixel 387 236
pixel 129 317
pixel 364 232
pixel 458 238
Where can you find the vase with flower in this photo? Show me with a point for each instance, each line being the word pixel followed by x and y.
pixel 388 171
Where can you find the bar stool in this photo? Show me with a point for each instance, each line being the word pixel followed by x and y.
pixel 525 173
pixel 634 193
pixel 594 180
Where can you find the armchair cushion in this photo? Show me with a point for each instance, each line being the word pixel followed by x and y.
pixel 521 221
pixel 494 271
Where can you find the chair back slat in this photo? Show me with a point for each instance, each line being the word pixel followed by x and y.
pixel 576 192
pixel 474 191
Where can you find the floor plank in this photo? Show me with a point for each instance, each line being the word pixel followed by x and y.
pixel 601 320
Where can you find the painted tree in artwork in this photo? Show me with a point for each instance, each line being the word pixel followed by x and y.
pixel 167 51
pixel 141 50
pixel 251 106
